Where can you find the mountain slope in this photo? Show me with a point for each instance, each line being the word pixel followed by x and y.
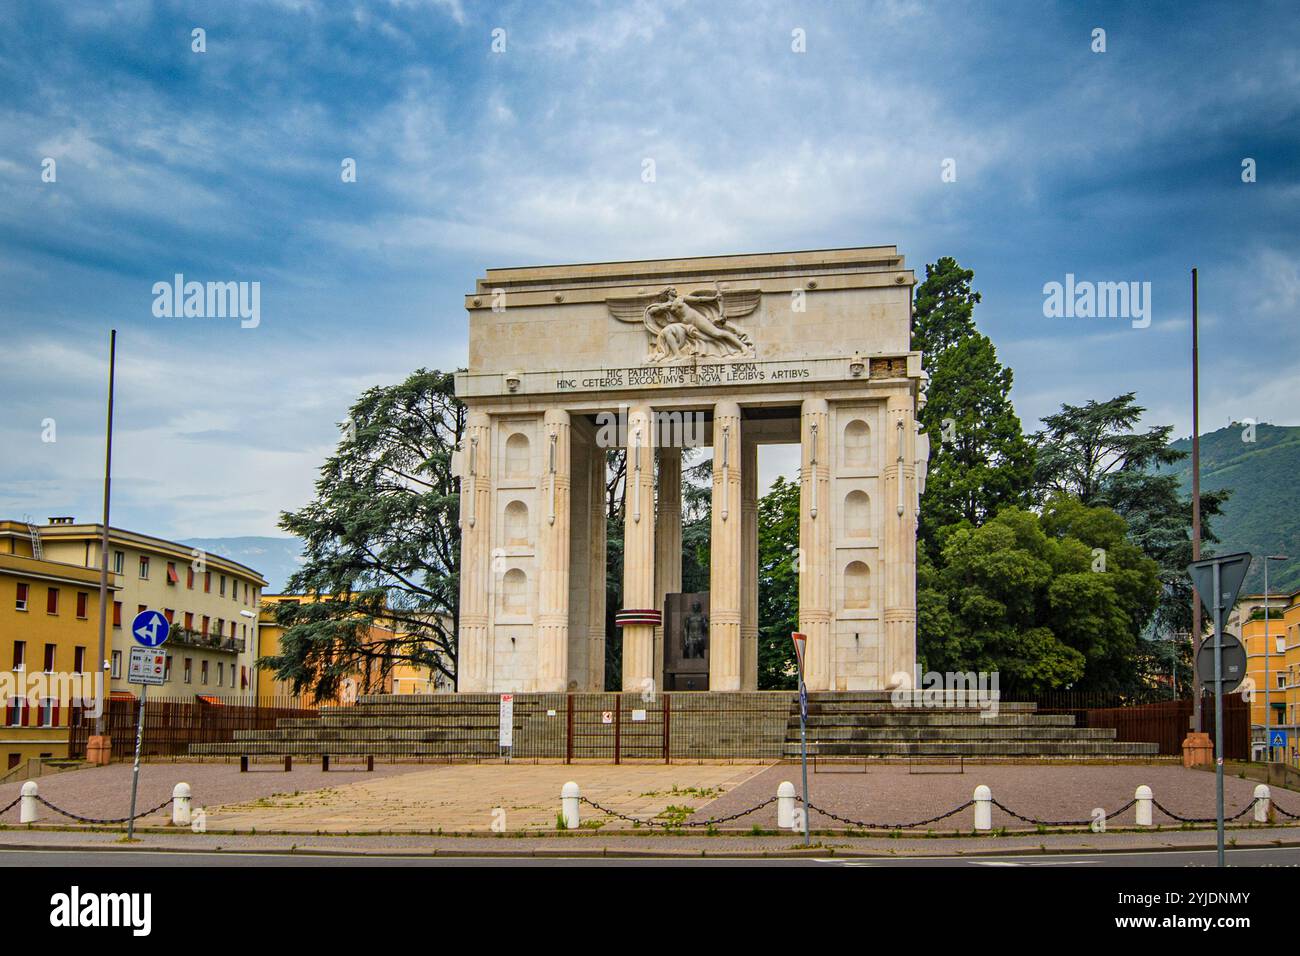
pixel 1263 514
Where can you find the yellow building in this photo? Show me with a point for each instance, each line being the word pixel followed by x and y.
pixel 49 641
pixel 1280 673
pixel 374 679
pixel 210 601
pixel 400 678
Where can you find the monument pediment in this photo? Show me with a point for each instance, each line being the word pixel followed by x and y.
pixel 802 314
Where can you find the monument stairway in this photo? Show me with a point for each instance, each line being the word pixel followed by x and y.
pixel 685 726
pixel 603 727
pixel 867 724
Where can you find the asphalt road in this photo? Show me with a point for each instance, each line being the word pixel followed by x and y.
pixel 1261 856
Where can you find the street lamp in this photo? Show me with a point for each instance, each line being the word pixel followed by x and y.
pixel 1267 711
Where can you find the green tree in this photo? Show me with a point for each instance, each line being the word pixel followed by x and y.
pixel 1095 453
pixel 778 585
pixel 381 544
pixel 1048 600
pixel 1082 447
pixel 980 460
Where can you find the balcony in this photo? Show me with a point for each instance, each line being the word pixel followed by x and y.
pixel 185 637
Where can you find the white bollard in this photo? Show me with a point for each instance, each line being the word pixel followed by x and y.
pixel 1143 795
pixel 569 795
pixel 983 808
pixel 27 805
pixel 181 805
pixel 785 805
pixel 1261 803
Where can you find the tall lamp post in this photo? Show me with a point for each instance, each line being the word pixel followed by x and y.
pixel 1267 711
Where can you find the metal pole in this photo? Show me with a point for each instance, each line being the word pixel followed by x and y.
pixel 1218 709
pixel 1196 502
pixel 135 772
pixel 803 750
pixel 103 542
pixel 1267 742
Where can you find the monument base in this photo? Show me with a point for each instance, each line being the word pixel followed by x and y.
pixel 99 750
pixel 1198 750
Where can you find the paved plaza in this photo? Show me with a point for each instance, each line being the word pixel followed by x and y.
pixel 524 798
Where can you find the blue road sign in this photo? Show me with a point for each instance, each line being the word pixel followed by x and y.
pixel 803 701
pixel 150 628
pixel 1277 738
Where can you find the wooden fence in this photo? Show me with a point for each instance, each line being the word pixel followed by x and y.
pixel 171 724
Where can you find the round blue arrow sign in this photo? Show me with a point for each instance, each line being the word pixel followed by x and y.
pixel 150 628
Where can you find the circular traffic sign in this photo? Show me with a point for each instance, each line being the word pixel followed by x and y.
pixel 1234 663
pixel 150 628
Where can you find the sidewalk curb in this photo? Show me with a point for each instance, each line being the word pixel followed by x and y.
pixel 605 853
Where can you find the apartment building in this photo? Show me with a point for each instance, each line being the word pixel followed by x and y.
pixel 49 637
pixel 1273 663
pixel 211 601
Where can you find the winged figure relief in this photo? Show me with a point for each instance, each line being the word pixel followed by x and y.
pixel 695 324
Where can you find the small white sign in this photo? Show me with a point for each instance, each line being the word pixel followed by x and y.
pixel 638 715
pixel 550 713
pixel 506 735
pixel 606 716
pixel 147 665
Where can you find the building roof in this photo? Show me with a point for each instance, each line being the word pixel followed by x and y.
pixel 57 571
pixel 120 536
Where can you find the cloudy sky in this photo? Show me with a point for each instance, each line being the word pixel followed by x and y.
pixel 225 165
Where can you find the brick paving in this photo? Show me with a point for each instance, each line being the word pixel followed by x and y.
pixel 105 792
pixel 889 793
pixel 461 798
pixel 395 797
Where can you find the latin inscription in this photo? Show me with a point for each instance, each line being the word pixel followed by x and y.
pixel 649 376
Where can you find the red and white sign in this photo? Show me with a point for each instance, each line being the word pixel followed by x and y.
pixel 800 642
pixel 147 665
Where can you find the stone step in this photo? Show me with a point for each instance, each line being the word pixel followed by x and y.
pixel 885 707
pixel 1001 748
pixel 934 719
pixel 960 733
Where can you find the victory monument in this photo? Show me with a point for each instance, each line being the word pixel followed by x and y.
pixel 568 361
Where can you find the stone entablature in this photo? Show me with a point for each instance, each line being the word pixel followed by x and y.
pixel 808 348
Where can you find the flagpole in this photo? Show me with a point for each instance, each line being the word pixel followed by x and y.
pixel 1197 716
pixel 103 543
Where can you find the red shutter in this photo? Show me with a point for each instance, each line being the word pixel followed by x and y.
pixel 55 719
pixel 26 708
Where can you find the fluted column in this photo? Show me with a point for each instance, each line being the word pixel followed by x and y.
pixel 553 551
pixel 725 551
pixel 474 660
pixel 749 566
pixel 597 536
pixel 815 542
pixel 668 541
pixel 898 648
pixel 638 615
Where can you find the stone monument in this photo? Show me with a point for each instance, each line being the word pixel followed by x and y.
pixel 565 362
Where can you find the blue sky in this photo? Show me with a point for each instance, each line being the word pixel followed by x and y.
pixel 225 166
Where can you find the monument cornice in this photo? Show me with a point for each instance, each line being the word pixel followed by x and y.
pixel 742 374
pixel 523 293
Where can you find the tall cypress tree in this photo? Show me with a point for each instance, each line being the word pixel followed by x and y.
pixel 980 460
